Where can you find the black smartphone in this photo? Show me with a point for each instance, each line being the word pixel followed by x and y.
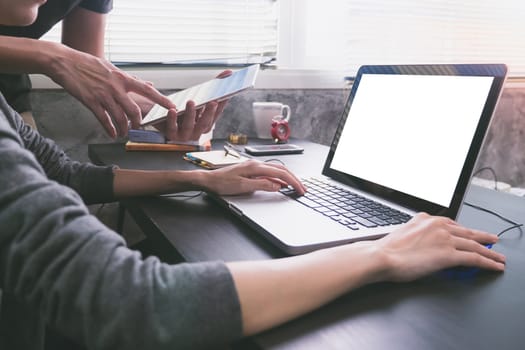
pixel 269 150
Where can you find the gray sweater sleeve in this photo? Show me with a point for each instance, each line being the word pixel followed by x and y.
pixel 86 284
pixel 93 183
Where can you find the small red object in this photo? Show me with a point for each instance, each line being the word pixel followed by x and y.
pixel 280 130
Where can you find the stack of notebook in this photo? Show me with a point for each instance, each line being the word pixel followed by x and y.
pixel 149 140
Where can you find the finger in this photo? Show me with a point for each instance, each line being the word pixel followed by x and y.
pixel 205 122
pixel 147 90
pixel 117 114
pixel 296 181
pixel 261 184
pixel 420 216
pixel 218 112
pixel 462 258
pixel 105 120
pixel 188 123
pixel 274 171
pixel 468 245
pixel 131 109
pixel 280 182
pixel 171 128
pixel 476 235
pixel 224 74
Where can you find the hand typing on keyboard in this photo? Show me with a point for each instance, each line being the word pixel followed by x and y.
pixel 251 176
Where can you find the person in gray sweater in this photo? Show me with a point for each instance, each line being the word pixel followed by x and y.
pixel 63 272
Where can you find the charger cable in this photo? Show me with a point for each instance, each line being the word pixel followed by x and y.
pixel 501 217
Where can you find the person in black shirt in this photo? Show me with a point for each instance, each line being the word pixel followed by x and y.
pixel 78 65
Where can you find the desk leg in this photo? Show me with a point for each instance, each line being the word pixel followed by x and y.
pixel 155 242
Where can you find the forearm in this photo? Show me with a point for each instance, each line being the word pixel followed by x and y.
pixel 77 274
pixel 128 183
pixel 242 178
pixel 84 30
pixel 23 55
pixel 57 61
pixel 93 183
pixel 273 292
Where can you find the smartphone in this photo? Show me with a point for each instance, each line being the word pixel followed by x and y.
pixel 212 90
pixel 268 150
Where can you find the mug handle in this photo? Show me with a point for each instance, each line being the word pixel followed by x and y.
pixel 288 113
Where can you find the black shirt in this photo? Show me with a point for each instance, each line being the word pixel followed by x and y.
pixel 16 87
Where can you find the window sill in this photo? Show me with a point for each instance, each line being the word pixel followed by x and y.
pixel 179 78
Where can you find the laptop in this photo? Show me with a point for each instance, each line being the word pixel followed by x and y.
pixel 407 142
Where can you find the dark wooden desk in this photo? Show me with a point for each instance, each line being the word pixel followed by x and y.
pixel 483 312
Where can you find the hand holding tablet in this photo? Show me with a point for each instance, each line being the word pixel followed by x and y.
pixel 217 89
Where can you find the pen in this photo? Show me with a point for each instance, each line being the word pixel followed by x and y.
pixel 230 151
pixel 234 147
pixel 199 162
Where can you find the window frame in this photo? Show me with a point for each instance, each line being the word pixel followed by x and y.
pixel 283 76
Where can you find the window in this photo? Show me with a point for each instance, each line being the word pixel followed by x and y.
pixel 317 43
pixel 177 31
pixel 344 34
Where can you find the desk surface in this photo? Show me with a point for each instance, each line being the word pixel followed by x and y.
pixel 482 312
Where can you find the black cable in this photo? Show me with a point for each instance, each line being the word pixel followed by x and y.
pixel 511 228
pixel 491 212
pixel 491 170
pixel 513 223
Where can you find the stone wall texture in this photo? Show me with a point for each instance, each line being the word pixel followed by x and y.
pixel 315 117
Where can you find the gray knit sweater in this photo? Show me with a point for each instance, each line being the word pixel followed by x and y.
pixel 61 269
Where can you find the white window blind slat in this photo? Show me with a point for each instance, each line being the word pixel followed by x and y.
pixel 350 33
pixel 335 34
pixel 435 31
pixel 176 30
pixel 180 30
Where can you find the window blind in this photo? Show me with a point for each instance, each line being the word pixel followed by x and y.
pixel 176 31
pixel 419 31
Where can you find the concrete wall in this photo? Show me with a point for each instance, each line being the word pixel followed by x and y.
pixel 315 117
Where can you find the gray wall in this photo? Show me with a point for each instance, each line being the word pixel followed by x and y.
pixel 315 116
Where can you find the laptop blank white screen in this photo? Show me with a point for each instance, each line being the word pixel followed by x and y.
pixel 412 133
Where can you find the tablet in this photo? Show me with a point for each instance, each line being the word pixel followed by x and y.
pixel 212 90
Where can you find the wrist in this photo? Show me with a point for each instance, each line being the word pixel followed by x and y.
pixel 55 60
pixel 196 180
pixel 376 263
pixel 388 262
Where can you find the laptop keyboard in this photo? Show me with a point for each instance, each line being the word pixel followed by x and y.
pixel 346 207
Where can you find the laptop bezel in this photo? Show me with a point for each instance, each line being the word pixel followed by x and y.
pixel 497 71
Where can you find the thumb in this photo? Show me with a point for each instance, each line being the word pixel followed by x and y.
pixel 224 74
